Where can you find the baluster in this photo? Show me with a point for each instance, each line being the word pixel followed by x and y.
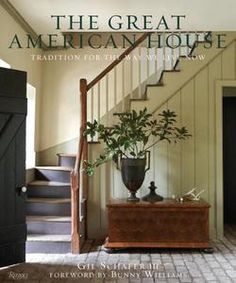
pixel 139 72
pixel 148 62
pixel 204 34
pixel 92 104
pixel 89 107
pixel 131 76
pixel 187 47
pixel 98 102
pixel 107 99
pixel 164 51
pixel 115 88
pixel 123 85
pixel 156 61
pixel 196 38
pixel 179 48
pixel 172 52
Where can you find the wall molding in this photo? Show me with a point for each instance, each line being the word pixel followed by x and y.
pixel 220 84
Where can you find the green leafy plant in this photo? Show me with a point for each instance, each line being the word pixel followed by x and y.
pixel 133 135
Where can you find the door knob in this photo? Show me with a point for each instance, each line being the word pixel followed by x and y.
pixel 21 190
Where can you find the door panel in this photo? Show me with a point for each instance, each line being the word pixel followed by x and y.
pixel 3 121
pixel 13 108
pixel 229 153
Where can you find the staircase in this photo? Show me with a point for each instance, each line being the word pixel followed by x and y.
pixel 48 208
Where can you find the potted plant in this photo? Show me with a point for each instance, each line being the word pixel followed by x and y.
pixel 129 141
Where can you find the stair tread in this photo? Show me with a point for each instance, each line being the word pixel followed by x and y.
pixel 49 200
pixel 49 218
pixel 48 183
pixel 67 154
pixel 48 238
pixel 155 85
pixel 170 71
pixel 56 168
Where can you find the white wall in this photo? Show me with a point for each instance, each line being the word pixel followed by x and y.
pixel 30 127
pixel 19 59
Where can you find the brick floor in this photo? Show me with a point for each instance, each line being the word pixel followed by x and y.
pixel 130 266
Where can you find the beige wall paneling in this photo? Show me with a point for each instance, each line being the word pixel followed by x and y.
pixel 160 164
pixel 201 132
pixel 119 190
pixel 195 104
pixel 94 200
pixel 105 190
pixel 149 176
pixel 228 62
pixel 199 104
pixel 188 120
pixel 174 151
pixel 214 74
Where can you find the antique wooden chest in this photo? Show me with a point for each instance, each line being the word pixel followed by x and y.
pixel 165 224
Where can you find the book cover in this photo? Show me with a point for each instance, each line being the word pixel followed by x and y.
pixel 117 141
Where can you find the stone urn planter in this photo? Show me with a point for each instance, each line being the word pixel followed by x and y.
pixel 133 173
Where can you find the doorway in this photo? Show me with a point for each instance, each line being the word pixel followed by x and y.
pixel 30 127
pixel 229 154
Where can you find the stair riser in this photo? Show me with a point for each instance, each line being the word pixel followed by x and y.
pixel 53 175
pixel 48 209
pixel 49 191
pixel 48 247
pixel 66 161
pixel 49 228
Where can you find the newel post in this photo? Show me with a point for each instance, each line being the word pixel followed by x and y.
pixel 84 93
pixel 77 184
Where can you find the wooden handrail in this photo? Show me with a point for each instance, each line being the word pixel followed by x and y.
pixel 118 60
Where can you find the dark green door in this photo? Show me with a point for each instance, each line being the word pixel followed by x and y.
pixel 13 108
pixel 229 153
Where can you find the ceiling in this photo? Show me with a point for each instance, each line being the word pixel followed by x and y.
pixel 200 15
